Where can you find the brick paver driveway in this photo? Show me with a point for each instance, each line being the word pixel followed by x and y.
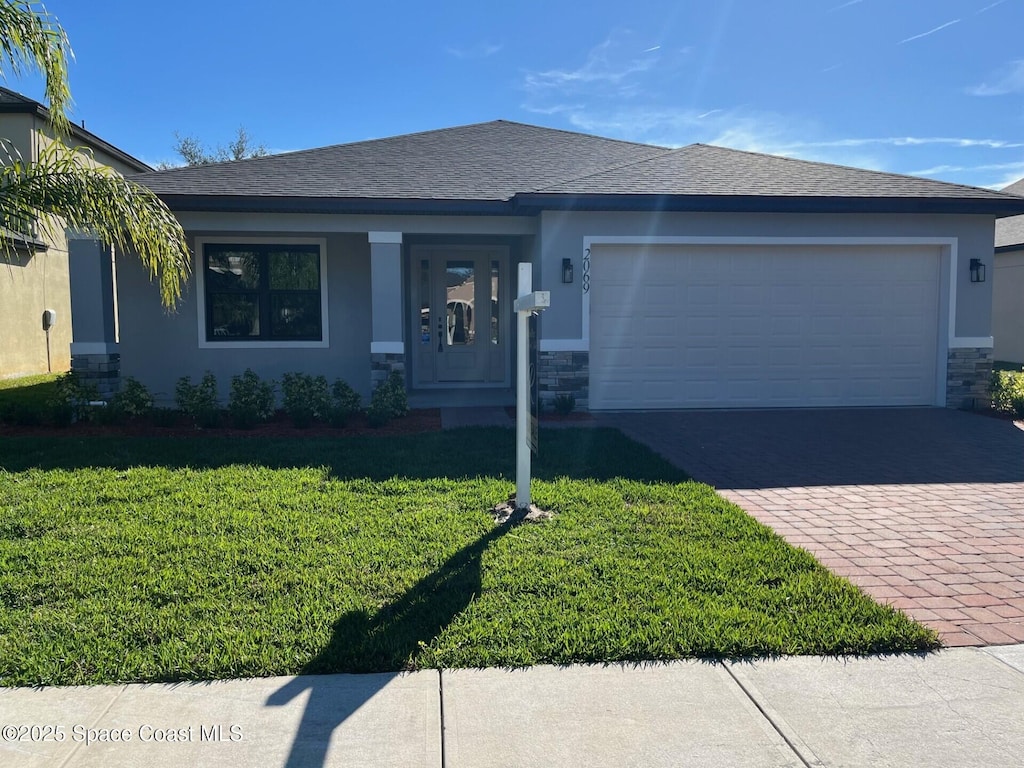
pixel 922 508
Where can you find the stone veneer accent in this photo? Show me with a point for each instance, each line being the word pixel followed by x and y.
pixel 563 373
pixel 382 364
pixel 103 371
pixel 968 371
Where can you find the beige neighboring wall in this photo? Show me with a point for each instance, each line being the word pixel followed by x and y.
pixel 1008 306
pixel 32 282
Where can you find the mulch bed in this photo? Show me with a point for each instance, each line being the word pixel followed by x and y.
pixel 417 421
pixel 1002 416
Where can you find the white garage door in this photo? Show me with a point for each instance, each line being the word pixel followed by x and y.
pixel 763 326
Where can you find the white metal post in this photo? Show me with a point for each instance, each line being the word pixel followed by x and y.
pixel 523 390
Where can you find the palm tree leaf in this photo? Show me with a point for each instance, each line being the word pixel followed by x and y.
pixel 31 37
pixel 64 189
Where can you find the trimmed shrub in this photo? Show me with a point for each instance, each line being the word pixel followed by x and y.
pixel 251 400
pixel 345 403
pixel 389 401
pixel 133 400
pixel 565 404
pixel 1008 392
pixel 71 399
pixel 305 398
pixel 199 400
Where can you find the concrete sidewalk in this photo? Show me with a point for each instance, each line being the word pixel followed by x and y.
pixel 958 707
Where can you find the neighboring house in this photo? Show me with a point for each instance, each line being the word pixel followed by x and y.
pixel 34 267
pixel 700 277
pixel 1008 286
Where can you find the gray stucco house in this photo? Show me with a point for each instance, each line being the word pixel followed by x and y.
pixel 693 277
pixel 1008 290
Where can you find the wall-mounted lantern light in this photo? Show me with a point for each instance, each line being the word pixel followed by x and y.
pixel 566 270
pixel 977 271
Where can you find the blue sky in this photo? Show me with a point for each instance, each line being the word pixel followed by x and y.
pixel 928 87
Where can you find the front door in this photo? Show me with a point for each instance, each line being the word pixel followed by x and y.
pixel 458 302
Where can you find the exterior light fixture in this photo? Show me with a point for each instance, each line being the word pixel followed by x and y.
pixel 567 270
pixel 977 271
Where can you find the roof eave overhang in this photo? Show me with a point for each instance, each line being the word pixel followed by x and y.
pixel 1010 247
pixel 767 204
pixel 271 204
pixel 526 204
pixel 23 242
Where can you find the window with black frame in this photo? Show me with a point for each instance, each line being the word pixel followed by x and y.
pixel 262 292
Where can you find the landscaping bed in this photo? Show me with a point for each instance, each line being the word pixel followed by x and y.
pixel 139 559
pixel 279 425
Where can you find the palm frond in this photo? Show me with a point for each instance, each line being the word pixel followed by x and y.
pixel 62 189
pixel 31 37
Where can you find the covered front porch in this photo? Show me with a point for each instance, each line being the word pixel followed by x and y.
pixel 442 315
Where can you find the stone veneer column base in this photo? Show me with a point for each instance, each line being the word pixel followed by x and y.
pixel 563 373
pixel 382 364
pixel 968 370
pixel 103 371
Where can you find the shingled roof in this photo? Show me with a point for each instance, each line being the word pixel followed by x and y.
pixel 1010 231
pixel 507 167
pixel 486 162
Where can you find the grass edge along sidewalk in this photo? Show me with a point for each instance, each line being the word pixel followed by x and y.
pixel 187 559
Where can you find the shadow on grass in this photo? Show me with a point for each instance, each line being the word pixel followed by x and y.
pixel 32 396
pixel 599 454
pixel 388 640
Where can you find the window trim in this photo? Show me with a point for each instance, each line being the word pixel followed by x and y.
pixel 200 273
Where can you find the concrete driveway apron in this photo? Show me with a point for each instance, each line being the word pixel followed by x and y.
pixel 922 508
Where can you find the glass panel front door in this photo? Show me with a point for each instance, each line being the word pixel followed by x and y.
pixel 458 306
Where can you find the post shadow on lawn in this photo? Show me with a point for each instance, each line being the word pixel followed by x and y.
pixel 363 643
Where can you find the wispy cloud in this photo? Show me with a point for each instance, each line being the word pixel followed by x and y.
pixel 937 170
pixel 623 89
pixel 604 66
pixel 980 175
pixel 930 31
pixel 989 7
pixel 1011 80
pixel 915 141
pixel 553 109
pixel 845 5
pixel 478 51
pixel 981 161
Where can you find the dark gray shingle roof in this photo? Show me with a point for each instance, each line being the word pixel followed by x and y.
pixel 1010 231
pixel 486 161
pixel 10 97
pixel 701 169
pixel 508 165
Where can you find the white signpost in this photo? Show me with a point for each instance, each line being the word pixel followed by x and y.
pixel 528 301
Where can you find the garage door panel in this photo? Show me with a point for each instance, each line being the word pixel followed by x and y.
pixel 737 326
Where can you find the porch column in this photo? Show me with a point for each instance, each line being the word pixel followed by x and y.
pixel 94 337
pixel 387 350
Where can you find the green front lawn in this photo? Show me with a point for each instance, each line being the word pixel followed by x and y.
pixel 177 559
